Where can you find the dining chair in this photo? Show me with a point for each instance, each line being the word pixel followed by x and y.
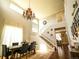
pixel 5 52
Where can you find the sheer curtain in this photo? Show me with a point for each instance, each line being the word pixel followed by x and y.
pixel 12 34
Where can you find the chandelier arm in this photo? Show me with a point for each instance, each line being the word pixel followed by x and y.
pixel 29 3
pixel 28 13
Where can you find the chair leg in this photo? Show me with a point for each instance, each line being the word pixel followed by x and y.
pixel 2 57
pixel 16 55
pixel 7 57
pixel 34 51
pixel 20 56
pixel 26 56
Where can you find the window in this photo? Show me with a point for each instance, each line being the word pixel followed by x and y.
pixel 35 25
pixel 12 34
pixel 58 36
pixel 16 8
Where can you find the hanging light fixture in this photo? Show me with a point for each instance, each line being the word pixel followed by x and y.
pixel 28 13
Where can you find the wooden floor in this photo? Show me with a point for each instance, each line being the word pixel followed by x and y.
pixel 61 53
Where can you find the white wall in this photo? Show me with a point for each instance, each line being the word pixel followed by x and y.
pixel 1 26
pixel 53 20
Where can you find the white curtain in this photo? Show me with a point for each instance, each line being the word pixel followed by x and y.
pixel 12 34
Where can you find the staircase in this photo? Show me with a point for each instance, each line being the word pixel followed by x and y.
pixel 43 38
pixel 47 40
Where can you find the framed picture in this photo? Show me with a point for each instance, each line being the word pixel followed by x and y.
pixel 51 34
pixel 51 29
pixel 48 32
pixel 44 22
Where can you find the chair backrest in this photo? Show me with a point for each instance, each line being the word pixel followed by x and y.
pixel 33 45
pixel 4 50
pixel 15 44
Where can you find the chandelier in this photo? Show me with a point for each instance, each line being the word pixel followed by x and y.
pixel 28 13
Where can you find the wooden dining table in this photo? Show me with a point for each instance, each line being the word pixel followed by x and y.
pixel 13 49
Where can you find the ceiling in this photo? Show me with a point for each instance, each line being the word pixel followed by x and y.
pixel 42 8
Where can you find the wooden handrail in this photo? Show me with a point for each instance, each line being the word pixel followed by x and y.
pixel 47 40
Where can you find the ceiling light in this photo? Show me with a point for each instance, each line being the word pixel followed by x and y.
pixel 28 13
